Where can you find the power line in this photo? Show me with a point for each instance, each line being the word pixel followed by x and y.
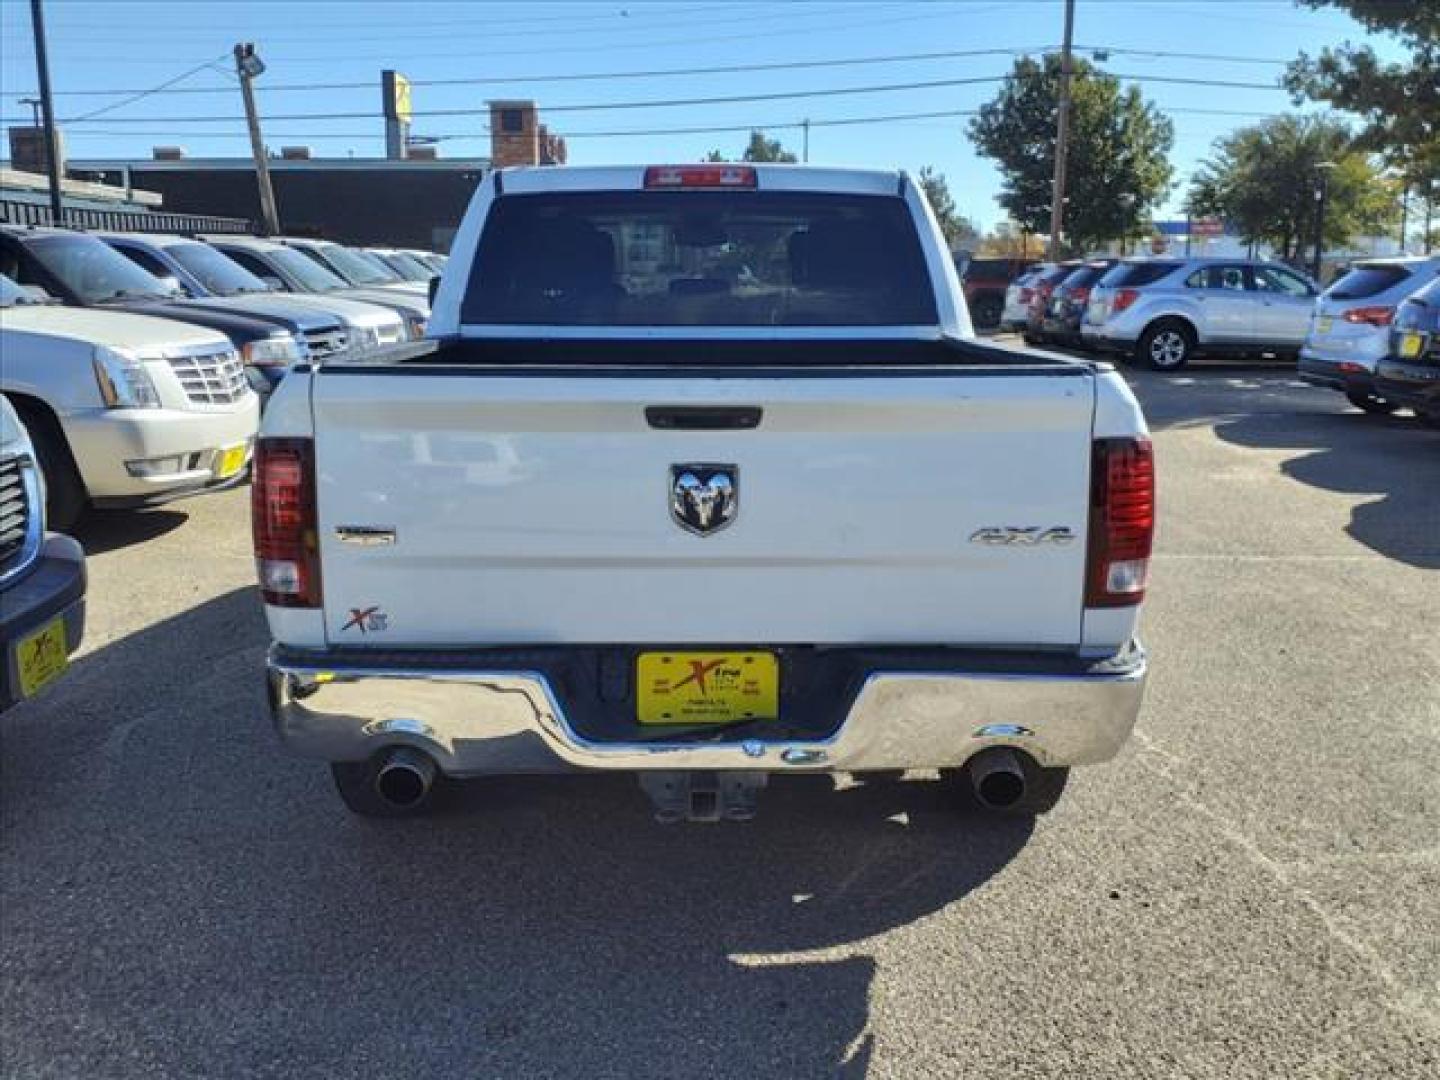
pixel 141 95
pixel 498 80
pixel 1163 55
pixel 332 59
pixel 930 84
pixel 773 125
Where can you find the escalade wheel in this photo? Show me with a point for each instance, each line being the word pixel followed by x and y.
pixel 1166 346
pixel 1371 403
pixel 64 490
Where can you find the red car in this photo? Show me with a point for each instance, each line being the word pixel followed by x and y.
pixel 985 282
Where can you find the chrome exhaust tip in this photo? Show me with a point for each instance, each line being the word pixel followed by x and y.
pixel 404 777
pixel 997 778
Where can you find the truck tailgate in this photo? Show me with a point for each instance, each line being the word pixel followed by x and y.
pixel 529 509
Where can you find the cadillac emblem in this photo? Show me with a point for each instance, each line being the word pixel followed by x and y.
pixel 704 498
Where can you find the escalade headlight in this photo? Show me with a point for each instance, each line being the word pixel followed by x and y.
pixel 124 383
pixel 282 350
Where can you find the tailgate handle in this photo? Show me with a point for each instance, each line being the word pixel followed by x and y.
pixel 703 417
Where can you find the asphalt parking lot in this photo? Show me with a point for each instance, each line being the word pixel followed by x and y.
pixel 1250 890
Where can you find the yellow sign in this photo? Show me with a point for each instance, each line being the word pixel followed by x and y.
pixel 1411 345
pixel 231 461
pixel 402 98
pixel 41 657
pixel 706 687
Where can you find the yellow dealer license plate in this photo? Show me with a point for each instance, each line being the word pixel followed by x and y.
pixel 40 657
pixel 231 461
pixel 1323 324
pixel 707 687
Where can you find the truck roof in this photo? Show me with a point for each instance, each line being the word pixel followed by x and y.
pixel 527 179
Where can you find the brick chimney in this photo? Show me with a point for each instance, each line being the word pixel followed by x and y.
pixel 29 153
pixel 514 133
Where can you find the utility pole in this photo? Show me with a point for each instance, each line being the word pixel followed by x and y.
pixel 1062 136
pixel 805 151
pixel 247 66
pixel 1322 189
pixel 1404 213
pixel 47 106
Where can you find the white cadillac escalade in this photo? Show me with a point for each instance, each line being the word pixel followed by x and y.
pixel 704 477
pixel 125 410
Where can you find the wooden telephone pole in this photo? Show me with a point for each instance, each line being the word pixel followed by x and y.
pixel 1062 137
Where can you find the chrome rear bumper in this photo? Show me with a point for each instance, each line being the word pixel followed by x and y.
pixel 475 722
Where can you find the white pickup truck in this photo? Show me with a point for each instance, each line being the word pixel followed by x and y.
pixel 704 478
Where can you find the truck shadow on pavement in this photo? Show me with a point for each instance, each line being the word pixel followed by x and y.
pixel 100 531
pixel 1394 458
pixel 182 897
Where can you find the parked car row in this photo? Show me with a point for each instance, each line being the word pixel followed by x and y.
pixel 139 364
pixel 1164 312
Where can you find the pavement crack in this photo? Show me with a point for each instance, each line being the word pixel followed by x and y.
pixel 1163 762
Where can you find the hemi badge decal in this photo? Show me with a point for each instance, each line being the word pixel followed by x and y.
pixel 365 535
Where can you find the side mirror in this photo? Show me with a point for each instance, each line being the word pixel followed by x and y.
pixel 273 283
pixel 38 292
pixel 172 284
pixel 434 288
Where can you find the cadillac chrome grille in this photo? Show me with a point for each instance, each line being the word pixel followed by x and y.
pixel 211 379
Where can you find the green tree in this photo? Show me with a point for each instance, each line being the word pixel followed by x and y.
pixel 1398 102
pixel 960 231
pixel 758 149
pixel 1263 179
pixel 1119 169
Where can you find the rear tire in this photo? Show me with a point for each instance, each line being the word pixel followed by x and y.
pixel 987 312
pixel 1430 418
pixel 1043 788
pixel 1166 346
pixel 65 497
pixel 1370 403
pixel 356 783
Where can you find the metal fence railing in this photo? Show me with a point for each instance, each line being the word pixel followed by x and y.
pixel 22 212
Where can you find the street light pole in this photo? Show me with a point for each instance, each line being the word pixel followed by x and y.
pixel 1062 137
pixel 247 66
pixel 47 107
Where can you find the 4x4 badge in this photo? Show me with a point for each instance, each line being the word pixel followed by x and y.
pixel 704 498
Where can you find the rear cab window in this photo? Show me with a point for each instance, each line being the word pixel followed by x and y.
pixel 700 258
pixel 1367 279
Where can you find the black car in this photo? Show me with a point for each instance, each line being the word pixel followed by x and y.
pixel 1060 320
pixel 1409 373
pixel 83 271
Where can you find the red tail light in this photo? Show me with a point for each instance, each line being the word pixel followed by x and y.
pixel 700 176
pixel 1122 522
pixel 1080 295
pixel 1123 299
pixel 287 538
pixel 1370 316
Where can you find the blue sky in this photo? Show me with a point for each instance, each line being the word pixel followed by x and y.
pixel 115 45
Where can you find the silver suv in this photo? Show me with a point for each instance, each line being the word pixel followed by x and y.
pixel 1351 330
pixel 1165 311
